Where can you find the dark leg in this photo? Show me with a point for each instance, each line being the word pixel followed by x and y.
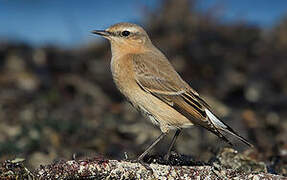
pixel 166 157
pixel 151 146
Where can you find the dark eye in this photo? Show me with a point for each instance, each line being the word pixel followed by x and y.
pixel 125 33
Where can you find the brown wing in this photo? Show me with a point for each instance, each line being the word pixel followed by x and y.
pixel 157 76
pixel 160 79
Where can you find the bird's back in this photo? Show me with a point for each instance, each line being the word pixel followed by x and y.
pixel 155 75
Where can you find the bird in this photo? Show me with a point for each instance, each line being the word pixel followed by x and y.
pixel 147 79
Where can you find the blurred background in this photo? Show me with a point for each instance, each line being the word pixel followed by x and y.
pixel 57 97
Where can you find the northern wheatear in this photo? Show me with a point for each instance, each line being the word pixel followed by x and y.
pixel 147 79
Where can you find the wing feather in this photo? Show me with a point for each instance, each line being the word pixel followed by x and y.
pixel 168 86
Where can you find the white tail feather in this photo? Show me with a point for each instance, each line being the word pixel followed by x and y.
pixel 214 119
pixel 224 127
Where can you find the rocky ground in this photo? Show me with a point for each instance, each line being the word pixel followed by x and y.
pixel 228 164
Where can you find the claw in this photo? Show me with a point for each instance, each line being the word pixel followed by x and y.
pixel 146 165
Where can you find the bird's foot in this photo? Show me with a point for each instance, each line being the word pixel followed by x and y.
pixel 140 161
pixel 166 157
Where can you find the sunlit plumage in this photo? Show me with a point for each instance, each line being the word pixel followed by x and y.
pixel 148 80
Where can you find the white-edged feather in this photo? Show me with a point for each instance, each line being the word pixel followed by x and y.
pixel 214 119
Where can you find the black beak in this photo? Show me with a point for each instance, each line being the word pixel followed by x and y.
pixel 101 32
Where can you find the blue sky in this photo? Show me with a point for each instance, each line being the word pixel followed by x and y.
pixel 68 22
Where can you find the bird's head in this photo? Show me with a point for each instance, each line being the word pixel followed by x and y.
pixel 126 37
